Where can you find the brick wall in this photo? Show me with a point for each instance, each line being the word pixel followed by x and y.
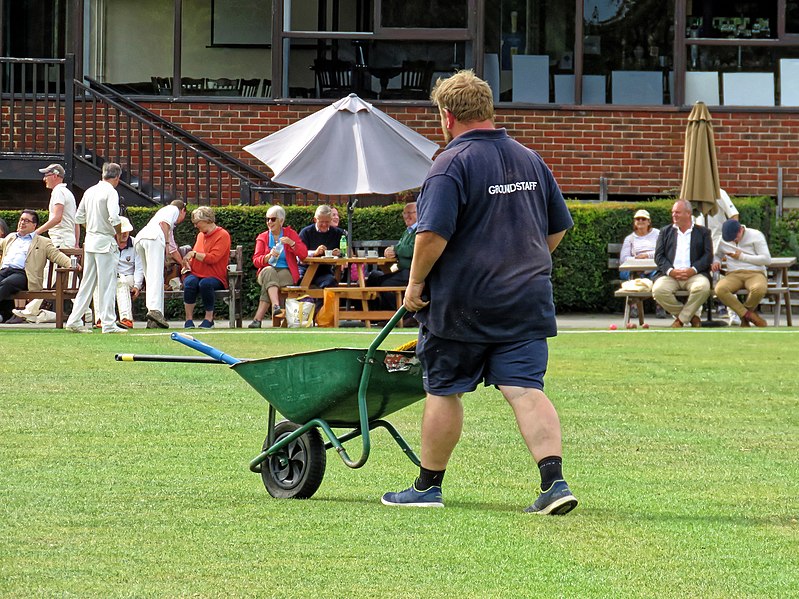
pixel 638 152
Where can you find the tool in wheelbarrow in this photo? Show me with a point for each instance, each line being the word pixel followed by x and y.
pixel 343 388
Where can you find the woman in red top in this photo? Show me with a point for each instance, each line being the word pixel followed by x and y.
pixel 208 264
pixel 277 251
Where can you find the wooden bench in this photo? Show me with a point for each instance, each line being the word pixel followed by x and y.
pixel 776 294
pixel 364 294
pixel 60 284
pixel 232 295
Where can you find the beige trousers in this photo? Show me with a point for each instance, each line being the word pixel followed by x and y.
pixel 698 287
pixel 753 281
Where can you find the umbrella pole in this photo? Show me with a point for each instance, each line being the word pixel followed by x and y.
pixel 350 210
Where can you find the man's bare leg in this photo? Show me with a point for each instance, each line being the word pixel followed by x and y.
pixel 442 424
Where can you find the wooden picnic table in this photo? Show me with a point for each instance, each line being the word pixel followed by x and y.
pixel 354 291
pixel 313 266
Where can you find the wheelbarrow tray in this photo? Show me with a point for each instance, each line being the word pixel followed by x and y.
pixel 324 384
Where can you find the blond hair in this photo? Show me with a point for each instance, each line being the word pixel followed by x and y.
pixel 465 95
pixel 203 213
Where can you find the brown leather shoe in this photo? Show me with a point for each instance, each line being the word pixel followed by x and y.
pixel 745 323
pixel 695 321
pixel 677 324
pixel 754 318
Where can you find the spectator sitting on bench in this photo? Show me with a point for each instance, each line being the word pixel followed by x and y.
pixel 747 256
pixel 319 237
pixel 23 256
pixel 684 254
pixel 207 262
pixel 403 254
pixel 276 256
pixel 60 227
pixel 640 244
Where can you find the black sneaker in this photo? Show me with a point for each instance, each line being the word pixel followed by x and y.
pixel 556 500
pixel 255 324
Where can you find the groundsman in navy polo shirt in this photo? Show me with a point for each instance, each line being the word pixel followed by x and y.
pixel 490 214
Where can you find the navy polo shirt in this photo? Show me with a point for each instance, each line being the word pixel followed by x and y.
pixel 312 239
pixel 495 202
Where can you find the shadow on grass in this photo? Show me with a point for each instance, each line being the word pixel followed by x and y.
pixel 449 504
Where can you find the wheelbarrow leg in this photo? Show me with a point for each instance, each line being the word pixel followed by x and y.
pixel 399 439
pixel 392 431
pixel 255 465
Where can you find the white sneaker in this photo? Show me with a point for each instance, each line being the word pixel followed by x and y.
pixel 78 328
pixel 29 316
pixel 734 318
pixel 116 330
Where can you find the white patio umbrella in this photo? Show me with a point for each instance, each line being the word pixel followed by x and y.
pixel 347 148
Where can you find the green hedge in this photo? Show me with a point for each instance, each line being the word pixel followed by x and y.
pixel 581 277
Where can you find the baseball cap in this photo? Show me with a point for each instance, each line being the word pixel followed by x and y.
pixel 642 214
pixel 126 226
pixel 53 168
pixel 730 229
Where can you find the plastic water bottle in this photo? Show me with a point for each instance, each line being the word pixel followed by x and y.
pixel 342 246
pixel 272 259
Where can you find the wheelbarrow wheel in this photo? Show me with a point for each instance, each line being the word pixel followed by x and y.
pixel 296 471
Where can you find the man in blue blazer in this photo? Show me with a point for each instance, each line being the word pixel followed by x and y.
pixel 683 254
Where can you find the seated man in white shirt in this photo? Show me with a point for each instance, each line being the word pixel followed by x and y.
pixel 747 256
pixel 683 255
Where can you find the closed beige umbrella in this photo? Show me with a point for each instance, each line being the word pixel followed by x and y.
pixel 700 173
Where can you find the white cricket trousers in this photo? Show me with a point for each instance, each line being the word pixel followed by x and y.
pixel 99 270
pixel 124 302
pixel 151 253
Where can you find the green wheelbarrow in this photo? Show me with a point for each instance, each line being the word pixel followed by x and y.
pixel 341 388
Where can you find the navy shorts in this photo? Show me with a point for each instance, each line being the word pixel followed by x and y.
pixel 450 367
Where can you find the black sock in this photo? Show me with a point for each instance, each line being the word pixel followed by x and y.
pixel 429 478
pixel 551 469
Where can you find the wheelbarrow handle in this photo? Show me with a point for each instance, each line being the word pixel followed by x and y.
pixel 157 358
pixel 204 348
pixel 386 330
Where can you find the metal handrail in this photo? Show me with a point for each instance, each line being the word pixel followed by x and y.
pixel 178 131
pixel 87 124
pixel 181 159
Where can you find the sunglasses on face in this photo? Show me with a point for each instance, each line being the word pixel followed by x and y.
pixel 270 219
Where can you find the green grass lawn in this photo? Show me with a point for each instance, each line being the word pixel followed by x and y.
pixel 131 480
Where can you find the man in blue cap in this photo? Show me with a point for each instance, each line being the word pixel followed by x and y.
pixel 746 257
